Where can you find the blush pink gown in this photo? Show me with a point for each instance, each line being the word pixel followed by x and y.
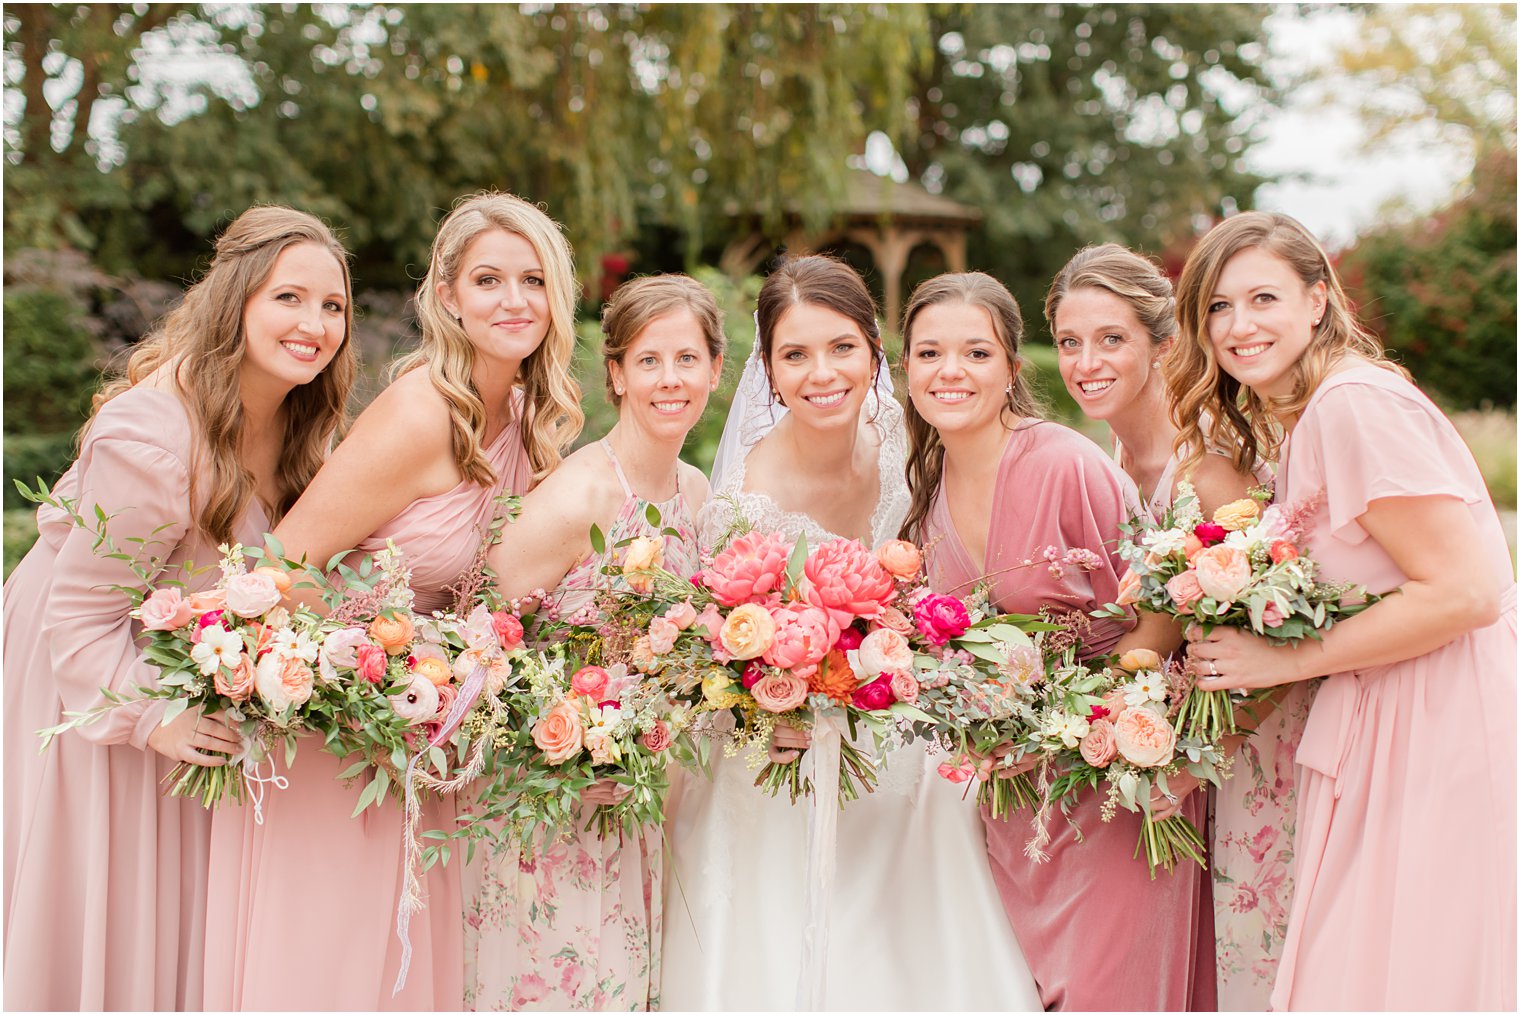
pixel 1405 852
pixel 1097 932
pixel 105 878
pixel 303 907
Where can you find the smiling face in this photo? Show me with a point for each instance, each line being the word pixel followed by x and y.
pixel 499 297
pixel 958 371
pixel 821 365
pixel 294 324
pixel 1104 352
pixel 1261 318
pixel 665 376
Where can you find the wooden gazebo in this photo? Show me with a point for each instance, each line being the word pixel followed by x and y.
pixel 888 219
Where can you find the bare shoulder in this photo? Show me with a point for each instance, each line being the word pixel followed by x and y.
pixel 409 407
pixel 1217 483
pixel 582 488
pixel 694 485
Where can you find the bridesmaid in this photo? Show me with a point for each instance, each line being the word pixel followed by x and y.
pixel 575 924
pixel 1405 844
pixel 485 405
pixel 1113 318
pixel 993 485
pixel 223 417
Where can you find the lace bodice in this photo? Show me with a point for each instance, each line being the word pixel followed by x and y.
pixel 731 504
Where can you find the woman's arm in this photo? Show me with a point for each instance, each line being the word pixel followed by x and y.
pixel 552 532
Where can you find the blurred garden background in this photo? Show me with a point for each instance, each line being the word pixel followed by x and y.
pixel 911 139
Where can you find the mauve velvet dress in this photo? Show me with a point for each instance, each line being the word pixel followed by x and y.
pixel 1097 931
pixel 105 877
pixel 1405 852
pixel 303 907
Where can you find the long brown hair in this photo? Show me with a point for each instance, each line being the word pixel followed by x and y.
pixel 205 342
pixel 1242 421
pixel 926 450
pixel 552 411
pixel 818 280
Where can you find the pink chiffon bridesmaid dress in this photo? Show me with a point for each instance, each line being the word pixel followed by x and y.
pixel 1097 931
pixel 303 906
pixel 105 877
pixel 1405 850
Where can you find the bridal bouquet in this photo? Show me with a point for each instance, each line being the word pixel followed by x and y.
pixel 1244 567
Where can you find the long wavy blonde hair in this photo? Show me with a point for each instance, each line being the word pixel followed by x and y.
pixel 552 414
pixel 204 341
pixel 1245 423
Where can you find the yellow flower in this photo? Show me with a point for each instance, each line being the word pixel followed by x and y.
pixel 644 555
pixel 1237 514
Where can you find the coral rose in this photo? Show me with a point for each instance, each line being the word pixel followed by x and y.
pixel 392 632
pixel 643 555
pixel 834 678
pixel 748 631
pixel 1283 550
pixel 1137 659
pixel 1100 747
pixel 780 692
pixel 1223 572
pixel 941 618
pixel 751 569
pixel 658 737
pixel 885 651
pixel 1129 589
pixel 558 733
pixel 1184 590
pixel 847 581
pixel 1237 514
pixel 283 681
pixel 804 635
pixel 905 687
pixel 165 610
pixel 1144 738
pixel 237 684
pixel 509 630
pixel 900 558
pixel 1190 547
pixel 874 696
pixel 251 595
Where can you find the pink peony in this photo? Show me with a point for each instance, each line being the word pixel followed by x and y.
pixel 509 630
pixel 658 737
pixel 1184 590
pixel 590 681
pixel 941 618
pixel 751 569
pixel 804 635
pixel 847 581
pixel 662 635
pixel 682 614
pixel 1209 533
pixel 558 733
pixel 237 684
pixel 370 662
pixel 1223 572
pixel 780 692
pixel 885 651
pixel 905 687
pixel 874 696
pixel 1099 748
pixel 1144 738
pixel 252 595
pixel 166 610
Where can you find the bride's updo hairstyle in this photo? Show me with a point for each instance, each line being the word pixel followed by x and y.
pixel 1196 383
pixel 822 281
pixel 639 302
pixel 926 451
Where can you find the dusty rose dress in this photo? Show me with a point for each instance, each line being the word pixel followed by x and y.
pixel 575 925
pixel 303 907
pixel 1406 808
pixel 105 878
pixel 1097 932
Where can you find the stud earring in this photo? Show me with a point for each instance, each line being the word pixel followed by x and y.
pixel 1155 364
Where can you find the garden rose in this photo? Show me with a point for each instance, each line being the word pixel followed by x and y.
pixel 748 631
pixel 209 601
pixel 558 733
pixel 682 614
pixel 165 610
pixel 281 577
pixel 874 696
pixel 1144 738
pixel 251 595
pixel 900 558
pixel 370 663
pixel 750 569
pixel 393 632
pixel 237 684
pixel 1129 589
pixel 590 681
pixel 1137 659
pixel 644 554
pixel 893 618
pixel 847 581
pixel 1283 550
pixel 804 635
pixel 1223 572
pixel 509 630
pixel 283 681
pixel 662 635
pixel 904 687
pixel 340 649
pixel 941 618
pixel 1209 533
pixel 1099 747
pixel 1237 514
pixel 1184 590
pixel 602 747
pixel 658 737
pixel 780 692
pixel 498 669
pixel 885 651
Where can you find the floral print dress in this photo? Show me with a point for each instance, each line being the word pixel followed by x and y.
pixel 575 923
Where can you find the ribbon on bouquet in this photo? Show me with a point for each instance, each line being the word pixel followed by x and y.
pixel 411 852
pixel 251 769
pixel 822 833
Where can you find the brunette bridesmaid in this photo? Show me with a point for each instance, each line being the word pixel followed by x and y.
pixel 304 911
pixel 993 485
pixel 224 415
pixel 1405 844
pixel 1113 318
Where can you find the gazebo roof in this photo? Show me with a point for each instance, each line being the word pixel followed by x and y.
pixel 870 196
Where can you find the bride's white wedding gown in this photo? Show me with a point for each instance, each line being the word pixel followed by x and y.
pixel 915 921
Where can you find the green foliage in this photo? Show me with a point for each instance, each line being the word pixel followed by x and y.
pixel 50 363
pixel 29 456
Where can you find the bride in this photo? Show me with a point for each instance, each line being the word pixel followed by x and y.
pixel 914 918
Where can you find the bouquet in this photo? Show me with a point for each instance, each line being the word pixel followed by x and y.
pixel 1246 567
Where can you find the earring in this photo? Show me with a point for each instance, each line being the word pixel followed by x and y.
pixel 617 389
pixel 1008 390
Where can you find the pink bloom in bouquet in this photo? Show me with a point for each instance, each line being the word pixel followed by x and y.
pixel 1184 590
pixel 876 695
pixel 849 639
pixel 885 651
pixel 1223 572
pixel 894 619
pixel 901 558
pixel 1283 550
pixel 804 635
pixel 600 745
pixel 779 692
pixel 941 618
pixel 509 630
pixel 590 681
pixel 619 680
pixel 252 595
pixel 847 581
pixel 447 695
pixel 498 669
pixel 958 771
pixel 1191 546
pixel 1114 702
pixel 211 600
pixel 753 671
pixel 340 649
pixel 748 631
pixel 166 610
pixel 751 569
pixel 370 662
pixel 431 661
pixel 641 656
pixel 709 622
pixel 1129 589
pixel 1100 747
pixel 283 680
pixel 658 737
pixel 1209 533
pixel 558 733
pixel 905 687
pixel 1271 616
pixel 1144 738
pixel 682 615
pixel 662 635
pixel 238 683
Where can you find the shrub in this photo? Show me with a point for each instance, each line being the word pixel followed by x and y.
pixel 51 367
